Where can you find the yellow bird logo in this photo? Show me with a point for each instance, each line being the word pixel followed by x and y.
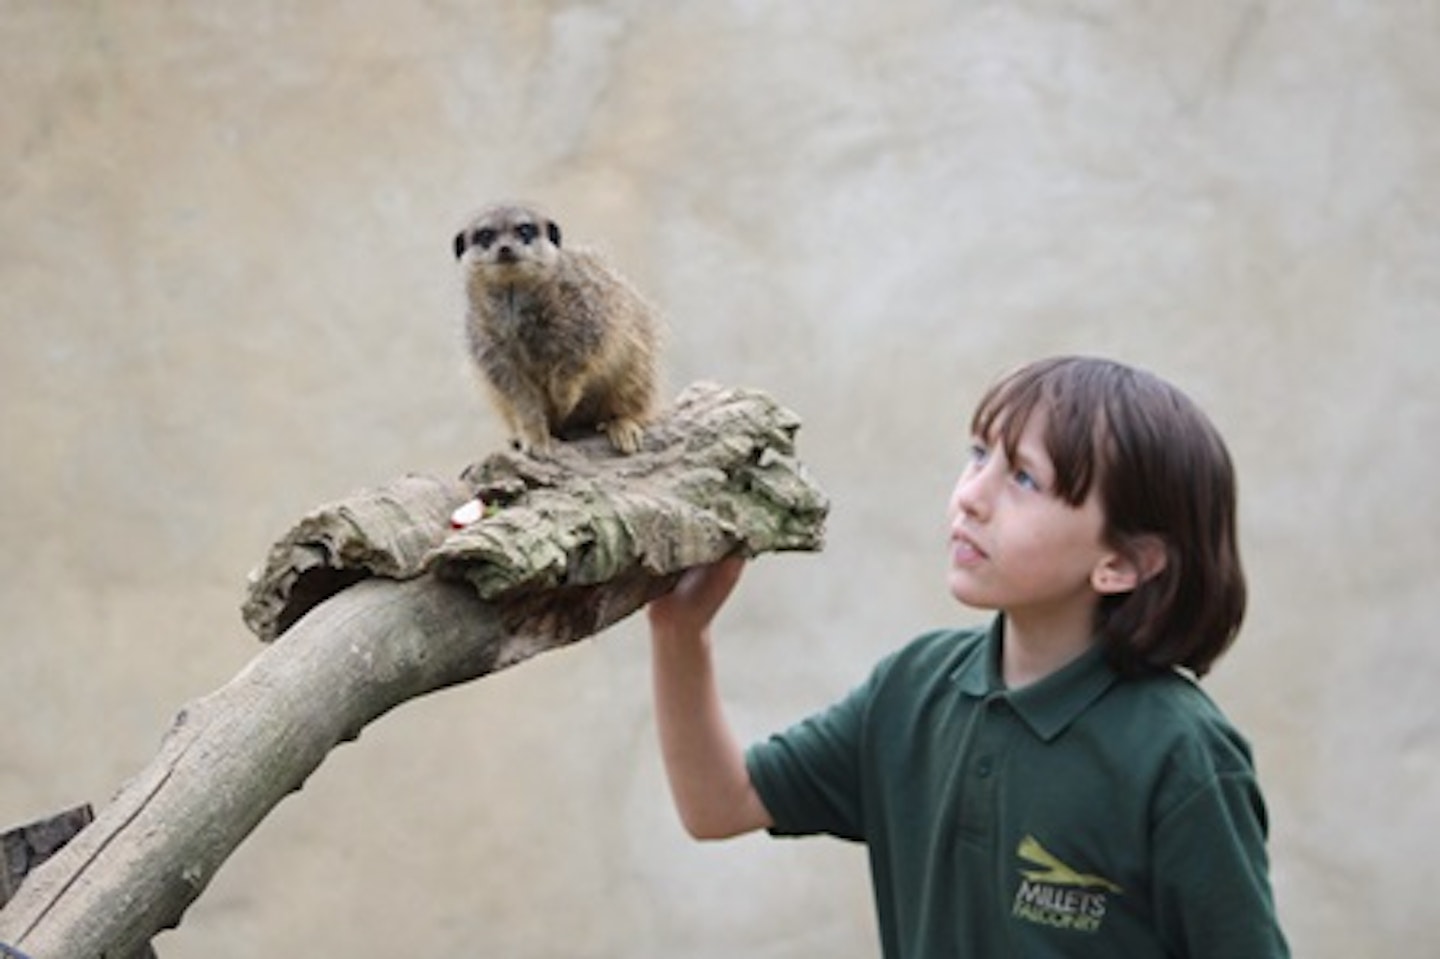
pixel 1056 873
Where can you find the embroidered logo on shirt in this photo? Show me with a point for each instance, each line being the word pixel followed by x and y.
pixel 1054 894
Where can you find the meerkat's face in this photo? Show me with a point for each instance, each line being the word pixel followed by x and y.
pixel 508 242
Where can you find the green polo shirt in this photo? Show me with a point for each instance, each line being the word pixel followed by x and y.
pixel 1082 815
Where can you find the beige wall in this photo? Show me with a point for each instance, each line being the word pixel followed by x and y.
pixel 226 296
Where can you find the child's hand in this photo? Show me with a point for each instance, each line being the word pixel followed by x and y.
pixel 690 607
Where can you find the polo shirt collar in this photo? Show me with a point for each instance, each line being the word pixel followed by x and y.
pixel 1047 706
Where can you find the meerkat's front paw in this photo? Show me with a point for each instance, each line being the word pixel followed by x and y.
pixel 534 442
pixel 625 435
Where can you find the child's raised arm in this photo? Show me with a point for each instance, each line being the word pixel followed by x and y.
pixel 703 761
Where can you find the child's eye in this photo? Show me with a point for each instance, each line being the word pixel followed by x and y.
pixel 978 453
pixel 1027 480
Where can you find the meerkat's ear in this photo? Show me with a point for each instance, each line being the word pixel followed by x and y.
pixel 459 245
pixel 552 230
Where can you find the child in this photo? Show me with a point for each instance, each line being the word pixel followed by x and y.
pixel 1053 785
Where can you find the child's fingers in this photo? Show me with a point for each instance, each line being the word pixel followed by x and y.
pixel 711 584
pixel 699 594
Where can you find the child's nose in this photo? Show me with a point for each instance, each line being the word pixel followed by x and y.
pixel 981 484
pixel 970 497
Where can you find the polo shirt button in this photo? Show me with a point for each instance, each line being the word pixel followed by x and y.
pixel 984 766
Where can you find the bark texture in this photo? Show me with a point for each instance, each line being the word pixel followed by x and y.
pixel 375 600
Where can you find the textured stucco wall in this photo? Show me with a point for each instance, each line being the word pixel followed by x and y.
pixel 226 295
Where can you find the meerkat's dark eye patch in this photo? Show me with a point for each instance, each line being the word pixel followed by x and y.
pixel 527 232
pixel 484 238
pixel 553 232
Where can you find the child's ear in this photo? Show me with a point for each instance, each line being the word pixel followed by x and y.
pixel 1123 570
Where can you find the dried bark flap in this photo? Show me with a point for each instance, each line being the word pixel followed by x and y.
pixel 717 475
pixel 381 532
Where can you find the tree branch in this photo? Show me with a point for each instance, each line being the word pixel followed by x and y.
pixel 375 600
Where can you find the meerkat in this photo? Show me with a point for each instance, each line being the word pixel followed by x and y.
pixel 562 341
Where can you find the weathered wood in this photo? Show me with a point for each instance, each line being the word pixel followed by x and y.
pixel 574 544
pixel 24 848
pixel 384 532
pixel 718 472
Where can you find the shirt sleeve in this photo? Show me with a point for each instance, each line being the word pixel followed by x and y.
pixel 809 776
pixel 1212 896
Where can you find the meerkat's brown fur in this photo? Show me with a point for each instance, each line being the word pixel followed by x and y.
pixel 564 343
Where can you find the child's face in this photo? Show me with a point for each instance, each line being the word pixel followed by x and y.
pixel 1014 545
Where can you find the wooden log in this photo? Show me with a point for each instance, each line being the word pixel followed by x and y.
pixel 717 474
pixel 403 606
pixel 25 847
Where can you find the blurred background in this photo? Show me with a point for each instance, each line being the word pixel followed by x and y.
pixel 227 295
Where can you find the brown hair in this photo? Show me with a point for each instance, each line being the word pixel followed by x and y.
pixel 1160 471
